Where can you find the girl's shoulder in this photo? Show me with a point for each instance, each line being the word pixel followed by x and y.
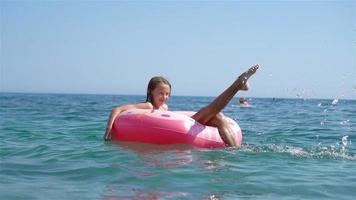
pixel 144 105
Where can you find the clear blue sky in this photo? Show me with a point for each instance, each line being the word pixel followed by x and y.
pixel 306 49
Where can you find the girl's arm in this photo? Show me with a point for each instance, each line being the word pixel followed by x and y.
pixel 116 111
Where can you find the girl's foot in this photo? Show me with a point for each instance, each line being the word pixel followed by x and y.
pixel 242 80
pixel 107 136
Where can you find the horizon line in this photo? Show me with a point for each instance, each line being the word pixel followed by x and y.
pixel 105 94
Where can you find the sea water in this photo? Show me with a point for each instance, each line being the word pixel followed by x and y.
pixel 51 147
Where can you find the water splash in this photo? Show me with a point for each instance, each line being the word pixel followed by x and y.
pixel 345 122
pixel 335 101
pixel 272 148
pixel 344 142
pixel 322 123
pixel 318 152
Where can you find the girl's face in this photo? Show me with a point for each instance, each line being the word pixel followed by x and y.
pixel 160 94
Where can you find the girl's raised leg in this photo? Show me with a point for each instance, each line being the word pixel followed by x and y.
pixel 211 111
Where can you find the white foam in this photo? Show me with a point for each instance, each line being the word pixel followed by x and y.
pixel 319 151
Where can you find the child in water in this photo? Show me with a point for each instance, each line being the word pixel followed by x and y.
pixel 243 102
pixel 159 90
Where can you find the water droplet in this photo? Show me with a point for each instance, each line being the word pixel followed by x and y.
pixel 344 122
pixel 344 140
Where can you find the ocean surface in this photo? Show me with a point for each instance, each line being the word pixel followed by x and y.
pixel 51 147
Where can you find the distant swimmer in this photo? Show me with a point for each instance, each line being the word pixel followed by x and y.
pixel 243 102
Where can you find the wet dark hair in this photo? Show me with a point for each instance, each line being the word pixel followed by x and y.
pixel 153 84
pixel 242 100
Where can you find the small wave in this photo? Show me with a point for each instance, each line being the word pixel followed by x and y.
pixel 320 152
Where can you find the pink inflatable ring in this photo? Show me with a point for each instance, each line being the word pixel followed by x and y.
pixel 166 127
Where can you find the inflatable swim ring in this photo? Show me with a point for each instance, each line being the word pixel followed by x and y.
pixel 166 127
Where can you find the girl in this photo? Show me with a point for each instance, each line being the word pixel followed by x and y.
pixel 159 90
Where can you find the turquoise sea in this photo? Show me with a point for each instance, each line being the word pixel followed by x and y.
pixel 51 147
